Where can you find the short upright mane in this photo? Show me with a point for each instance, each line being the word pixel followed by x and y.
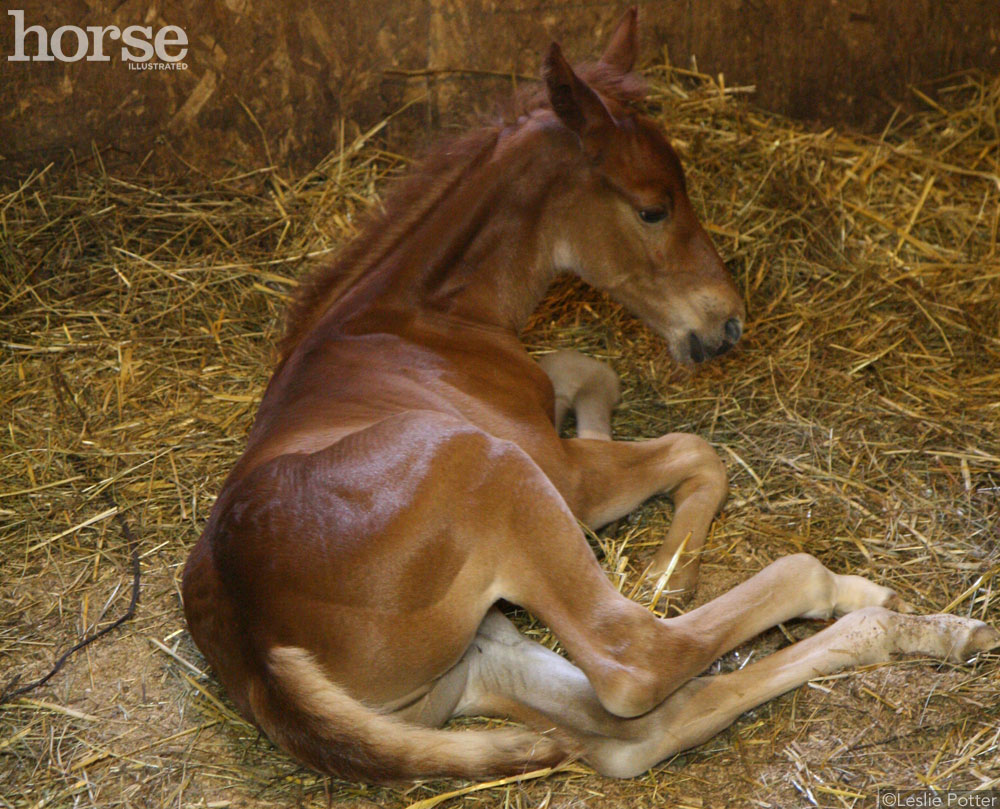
pixel 439 174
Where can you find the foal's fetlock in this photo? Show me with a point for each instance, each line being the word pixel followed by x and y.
pixel 575 375
pixel 684 580
pixel 836 595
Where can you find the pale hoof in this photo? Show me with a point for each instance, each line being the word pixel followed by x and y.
pixel 946 637
pixel 982 637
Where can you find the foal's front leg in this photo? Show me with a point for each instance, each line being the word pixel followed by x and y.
pixel 616 478
pixel 586 386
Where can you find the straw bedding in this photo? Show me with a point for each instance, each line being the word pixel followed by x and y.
pixel 859 421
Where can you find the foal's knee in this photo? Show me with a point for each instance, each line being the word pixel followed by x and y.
pixel 707 473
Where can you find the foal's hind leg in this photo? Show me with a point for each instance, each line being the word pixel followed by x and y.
pixel 586 386
pixel 509 675
pixel 632 659
pixel 706 705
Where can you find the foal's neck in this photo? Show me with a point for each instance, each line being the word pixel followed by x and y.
pixel 484 256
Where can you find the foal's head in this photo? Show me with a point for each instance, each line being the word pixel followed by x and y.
pixel 624 222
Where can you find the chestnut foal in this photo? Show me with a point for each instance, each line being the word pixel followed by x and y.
pixel 404 474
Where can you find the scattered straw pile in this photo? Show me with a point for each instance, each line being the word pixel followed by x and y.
pixel 859 421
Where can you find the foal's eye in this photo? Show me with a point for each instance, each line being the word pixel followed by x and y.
pixel 652 215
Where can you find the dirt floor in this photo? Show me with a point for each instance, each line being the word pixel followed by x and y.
pixel 859 420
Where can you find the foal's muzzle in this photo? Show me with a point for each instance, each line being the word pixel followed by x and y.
pixel 701 351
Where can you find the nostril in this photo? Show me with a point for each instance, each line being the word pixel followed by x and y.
pixel 696 347
pixel 734 329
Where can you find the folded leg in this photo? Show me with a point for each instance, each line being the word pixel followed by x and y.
pixel 586 386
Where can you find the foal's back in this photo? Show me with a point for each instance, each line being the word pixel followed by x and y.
pixel 339 384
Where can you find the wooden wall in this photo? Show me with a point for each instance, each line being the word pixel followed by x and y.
pixel 272 80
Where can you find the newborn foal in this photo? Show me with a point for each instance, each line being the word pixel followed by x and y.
pixel 404 474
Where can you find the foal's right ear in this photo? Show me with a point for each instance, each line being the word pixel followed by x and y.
pixel 623 45
pixel 573 100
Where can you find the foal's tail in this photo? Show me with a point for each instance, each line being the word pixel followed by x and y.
pixel 315 720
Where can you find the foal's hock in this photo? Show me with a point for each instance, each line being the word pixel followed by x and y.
pixel 405 473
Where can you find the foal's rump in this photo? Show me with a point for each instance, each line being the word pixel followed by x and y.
pixel 352 577
pixel 325 550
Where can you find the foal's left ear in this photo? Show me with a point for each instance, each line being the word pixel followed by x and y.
pixel 623 46
pixel 574 101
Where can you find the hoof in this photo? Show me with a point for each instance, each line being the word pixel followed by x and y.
pixel 682 583
pixel 896 604
pixel 982 637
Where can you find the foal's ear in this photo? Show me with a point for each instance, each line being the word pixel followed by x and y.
pixel 573 100
pixel 623 46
